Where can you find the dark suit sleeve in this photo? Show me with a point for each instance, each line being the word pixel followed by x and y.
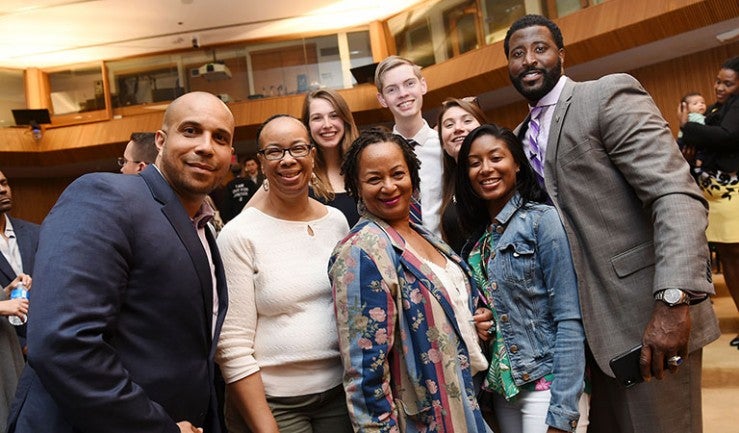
pixel 79 286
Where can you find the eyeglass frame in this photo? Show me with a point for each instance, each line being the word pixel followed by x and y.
pixel 285 150
pixel 122 161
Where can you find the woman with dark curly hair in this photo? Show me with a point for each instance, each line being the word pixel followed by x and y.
pixel 404 303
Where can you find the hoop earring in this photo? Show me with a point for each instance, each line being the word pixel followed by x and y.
pixel 265 185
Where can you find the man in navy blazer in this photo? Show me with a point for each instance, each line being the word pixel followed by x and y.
pixel 18 242
pixel 129 293
pixel 26 240
pixel 26 236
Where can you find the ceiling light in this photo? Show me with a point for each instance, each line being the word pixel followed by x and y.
pixel 728 36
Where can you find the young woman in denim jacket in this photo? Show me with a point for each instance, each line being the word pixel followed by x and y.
pixel 521 261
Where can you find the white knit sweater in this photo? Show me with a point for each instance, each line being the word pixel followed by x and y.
pixel 280 318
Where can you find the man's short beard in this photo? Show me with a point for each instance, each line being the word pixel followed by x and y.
pixel 550 79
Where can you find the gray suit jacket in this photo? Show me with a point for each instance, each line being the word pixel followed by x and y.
pixel 634 217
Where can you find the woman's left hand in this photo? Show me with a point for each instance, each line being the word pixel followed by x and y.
pixel 484 323
pixel 555 430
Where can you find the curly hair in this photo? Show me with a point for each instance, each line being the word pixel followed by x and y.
pixel 350 166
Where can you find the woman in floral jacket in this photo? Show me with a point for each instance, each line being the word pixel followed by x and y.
pixel 403 305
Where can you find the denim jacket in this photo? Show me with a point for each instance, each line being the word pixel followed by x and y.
pixel 534 289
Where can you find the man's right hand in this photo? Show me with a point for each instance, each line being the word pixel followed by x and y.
pixel 186 427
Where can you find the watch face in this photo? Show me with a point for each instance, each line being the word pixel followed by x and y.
pixel 672 296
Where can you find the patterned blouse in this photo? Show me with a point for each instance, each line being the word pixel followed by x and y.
pixel 406 366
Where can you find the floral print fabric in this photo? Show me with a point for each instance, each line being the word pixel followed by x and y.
pixel 406 367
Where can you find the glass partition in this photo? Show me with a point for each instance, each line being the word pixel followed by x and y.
pixel 360 51
pixel 241 72
pixel 435 31
pixel 77 90
pixel 12 95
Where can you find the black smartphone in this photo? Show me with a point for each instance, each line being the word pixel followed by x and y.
pixel 626 367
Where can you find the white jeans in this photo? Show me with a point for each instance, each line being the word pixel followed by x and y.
pixel 528 412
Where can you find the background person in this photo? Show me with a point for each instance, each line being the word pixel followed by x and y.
pixel 238 192
pixel 521 260
pixel 129 293
pixel 718 144
pixel 252 172
pixel 332 129
pixel 456 119
pixel 140 151
pixel 18 245
pixel 11 355
pixel 279 350
pixel 695 104
pixel 403 305
pixel 613 171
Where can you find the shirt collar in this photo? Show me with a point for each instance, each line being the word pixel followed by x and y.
pixel 9 232
pixel 509 209
pixel 552 97
pixel 421 136
pixel 203 215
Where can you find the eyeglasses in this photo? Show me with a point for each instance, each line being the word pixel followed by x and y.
pixel 275 153
pixel 123 161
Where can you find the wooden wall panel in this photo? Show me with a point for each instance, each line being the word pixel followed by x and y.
pixel 34 198
pixel 610 27
pixel 668 81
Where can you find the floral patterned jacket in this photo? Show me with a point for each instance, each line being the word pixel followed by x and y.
pixel 406 366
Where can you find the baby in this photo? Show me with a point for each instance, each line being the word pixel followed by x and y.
pixel 696 107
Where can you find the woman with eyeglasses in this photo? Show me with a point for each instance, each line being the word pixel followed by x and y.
pixel 278 349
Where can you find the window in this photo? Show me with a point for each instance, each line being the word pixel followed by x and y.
pixel 77 90
pixel 12 95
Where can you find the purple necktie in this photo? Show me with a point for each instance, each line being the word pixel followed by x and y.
pixel 532 135
pixel 416 215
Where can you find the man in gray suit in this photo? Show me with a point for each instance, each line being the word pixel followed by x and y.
pixel 635 221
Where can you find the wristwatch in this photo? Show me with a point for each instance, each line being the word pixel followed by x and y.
pixel 672 297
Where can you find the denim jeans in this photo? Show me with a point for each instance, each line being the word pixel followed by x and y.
pixel 527 413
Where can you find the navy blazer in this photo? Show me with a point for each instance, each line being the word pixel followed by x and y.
pixel 120 328
pixel 26 237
